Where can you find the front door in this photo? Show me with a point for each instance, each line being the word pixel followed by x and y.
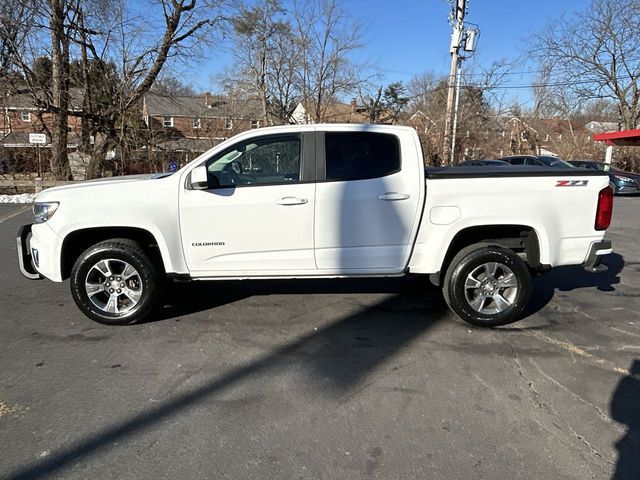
pixel 257 214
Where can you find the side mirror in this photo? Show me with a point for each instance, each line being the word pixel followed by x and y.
pixel 199 178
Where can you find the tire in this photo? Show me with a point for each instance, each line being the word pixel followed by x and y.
pixel 487 285
pixel 114 282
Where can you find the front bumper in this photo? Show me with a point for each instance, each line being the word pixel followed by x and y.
pixel 596 252
pixel 25 255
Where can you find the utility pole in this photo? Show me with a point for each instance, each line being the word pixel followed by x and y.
pixel 457 19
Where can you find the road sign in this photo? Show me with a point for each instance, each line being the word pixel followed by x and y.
pixel 38 138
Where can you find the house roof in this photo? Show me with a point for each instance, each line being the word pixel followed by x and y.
pixel 23 100
pixel 601 127
pixel 204 106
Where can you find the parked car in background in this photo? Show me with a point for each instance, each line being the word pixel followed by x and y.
pixel 624 183
pixel 483 163
pixel 540 161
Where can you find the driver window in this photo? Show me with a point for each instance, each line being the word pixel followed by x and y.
pixel 259 161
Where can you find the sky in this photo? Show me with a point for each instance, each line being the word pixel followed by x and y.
pixel 404 38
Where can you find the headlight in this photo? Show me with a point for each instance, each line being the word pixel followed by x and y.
pixel 43 211
pixel 624 179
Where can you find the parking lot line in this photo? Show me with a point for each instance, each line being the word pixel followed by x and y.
pixel 14 214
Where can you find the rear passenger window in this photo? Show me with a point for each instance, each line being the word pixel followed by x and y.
pixel 361 155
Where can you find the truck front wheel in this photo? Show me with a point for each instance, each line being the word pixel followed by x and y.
pixel 114 282
pixel 487 285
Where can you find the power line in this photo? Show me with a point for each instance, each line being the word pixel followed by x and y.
pixel 503 87
pixel 480 74
pixel 541 85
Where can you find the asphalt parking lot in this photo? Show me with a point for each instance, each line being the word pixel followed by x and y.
pixel 325 379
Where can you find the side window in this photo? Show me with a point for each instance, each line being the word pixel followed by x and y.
pixel 361 155
pixel 259 161
pixel 516 161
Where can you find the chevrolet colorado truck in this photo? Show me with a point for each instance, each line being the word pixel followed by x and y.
pixel 318 201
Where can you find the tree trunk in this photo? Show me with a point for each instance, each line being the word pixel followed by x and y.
pixel 98 155
pixel 60 91
pixel 87 127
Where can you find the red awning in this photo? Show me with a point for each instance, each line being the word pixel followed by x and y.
pixel 625 138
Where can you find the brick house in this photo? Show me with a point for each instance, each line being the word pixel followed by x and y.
pixel 197 123
pixel 19 116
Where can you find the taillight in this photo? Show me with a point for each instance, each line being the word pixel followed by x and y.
pixel 605 208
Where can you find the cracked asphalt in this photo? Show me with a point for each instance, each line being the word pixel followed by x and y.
pixel 325 379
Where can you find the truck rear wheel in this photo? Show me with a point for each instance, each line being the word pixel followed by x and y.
pixel 114 282
pixel 487 285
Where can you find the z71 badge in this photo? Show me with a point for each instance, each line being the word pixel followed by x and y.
pixel 572 183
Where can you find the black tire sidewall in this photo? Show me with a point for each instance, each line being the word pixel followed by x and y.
pixel 130 253
pixel 463 266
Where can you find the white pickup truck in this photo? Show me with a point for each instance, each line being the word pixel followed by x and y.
pixel 318 201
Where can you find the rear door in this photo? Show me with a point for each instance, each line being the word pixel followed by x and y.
pixel 368 198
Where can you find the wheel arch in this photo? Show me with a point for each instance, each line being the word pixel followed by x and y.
pixel 522 239
pixel 78 241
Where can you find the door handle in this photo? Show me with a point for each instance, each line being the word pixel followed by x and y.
pixel 291 201
pixel 392 196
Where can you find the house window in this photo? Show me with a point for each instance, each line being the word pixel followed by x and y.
pixel 195 122
pixel 167 122
pixel 25 116
pixel 228 124
pixel 255 123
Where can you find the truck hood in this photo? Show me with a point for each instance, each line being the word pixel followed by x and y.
pixel 98 186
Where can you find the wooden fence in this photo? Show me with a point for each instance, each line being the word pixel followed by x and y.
pixel 37 183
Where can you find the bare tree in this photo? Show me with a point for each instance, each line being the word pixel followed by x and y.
pixel 286 57
pixel 103 34
pixel 256 31
pixel 62 19
pixel 481 111
pixel 16 21
pixel 326 39
pixel 594 55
